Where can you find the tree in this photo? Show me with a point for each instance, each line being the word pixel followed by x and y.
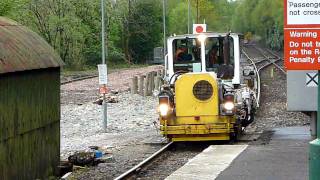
pixel 145 29
pixel 5 7
pixel 177 19
pixel 252 16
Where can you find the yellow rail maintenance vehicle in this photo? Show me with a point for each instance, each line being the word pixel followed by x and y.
pixel 209 92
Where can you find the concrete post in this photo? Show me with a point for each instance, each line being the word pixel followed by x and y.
pixel 151 83
pixel 141 83
pixel 145 85
pixel 134 85
pixel 156 83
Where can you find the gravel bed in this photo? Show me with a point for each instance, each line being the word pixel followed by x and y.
pixel 82 125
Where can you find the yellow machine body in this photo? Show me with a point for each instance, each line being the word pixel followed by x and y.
pixel 195 119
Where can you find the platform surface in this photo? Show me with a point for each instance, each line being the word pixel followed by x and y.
pixel 208 164
pixel 284 157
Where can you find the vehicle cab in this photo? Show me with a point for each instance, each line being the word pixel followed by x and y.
pixel 215 53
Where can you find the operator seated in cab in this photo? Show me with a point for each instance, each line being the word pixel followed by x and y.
pixel 182 54
pixel 185 54
pixel 220 57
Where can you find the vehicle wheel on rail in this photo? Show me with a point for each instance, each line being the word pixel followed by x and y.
pixel 237 131
pixel 248 121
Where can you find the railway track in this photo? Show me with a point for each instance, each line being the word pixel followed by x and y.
pixel 131 173
pixel 78 79
pixel 268 58
pixel 164 162
pixel 271 57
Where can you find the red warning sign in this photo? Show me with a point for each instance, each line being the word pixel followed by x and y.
pixel 302 34
pixel 302 49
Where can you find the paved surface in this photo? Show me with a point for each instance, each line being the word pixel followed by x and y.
pixel 208 164
pixel 284 157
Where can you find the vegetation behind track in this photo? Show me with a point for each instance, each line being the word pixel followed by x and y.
pixel 134 27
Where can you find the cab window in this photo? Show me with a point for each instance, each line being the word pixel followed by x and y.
pixel 220 56
pixel 187 55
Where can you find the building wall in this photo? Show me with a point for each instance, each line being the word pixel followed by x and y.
pixel 29 124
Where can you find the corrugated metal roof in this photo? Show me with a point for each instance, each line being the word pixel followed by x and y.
pixel 21 49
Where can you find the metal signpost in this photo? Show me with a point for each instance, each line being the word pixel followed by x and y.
pixel 103 69
pixel 302 52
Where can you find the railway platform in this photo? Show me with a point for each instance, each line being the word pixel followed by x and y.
pixel 279 154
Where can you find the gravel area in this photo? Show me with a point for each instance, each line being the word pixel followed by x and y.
pixel 82 125
pixel 131 134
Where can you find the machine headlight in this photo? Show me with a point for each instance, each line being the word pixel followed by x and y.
pixel 163 109
pixel 229 106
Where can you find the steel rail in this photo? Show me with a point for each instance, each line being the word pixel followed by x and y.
pixel 258 77
pixel 270 61
pixel 78 79
pixel 138 167
pixel 277 58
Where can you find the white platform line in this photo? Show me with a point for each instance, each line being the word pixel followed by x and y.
pixel 208 164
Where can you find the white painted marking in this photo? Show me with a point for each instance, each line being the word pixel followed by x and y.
pixel 208 164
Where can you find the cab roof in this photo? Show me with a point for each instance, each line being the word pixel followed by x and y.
pixel 209 34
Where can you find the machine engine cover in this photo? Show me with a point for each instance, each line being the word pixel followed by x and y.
pixel 197 95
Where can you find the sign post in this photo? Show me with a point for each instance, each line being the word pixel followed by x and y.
pixel 103 67
pixel 302 52
pixel 103 80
